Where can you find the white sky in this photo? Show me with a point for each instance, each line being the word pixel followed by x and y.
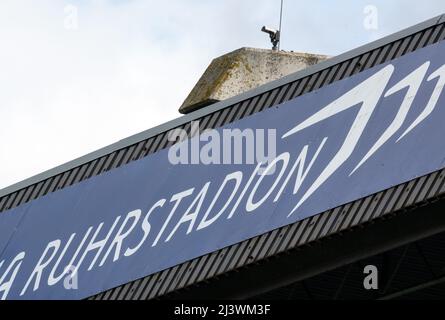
pixel 128 65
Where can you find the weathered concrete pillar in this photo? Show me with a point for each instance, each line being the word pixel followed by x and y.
pixel 241 70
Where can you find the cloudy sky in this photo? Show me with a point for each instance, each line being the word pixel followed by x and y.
pixel 79 75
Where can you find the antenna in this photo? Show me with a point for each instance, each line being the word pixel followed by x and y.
pixel 275 34
pixel 281 20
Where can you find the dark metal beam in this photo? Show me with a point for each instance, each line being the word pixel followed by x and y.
pixel 396 269
pixel 422 286
pixel 425 260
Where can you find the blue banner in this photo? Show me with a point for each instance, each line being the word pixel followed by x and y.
pixel 345 141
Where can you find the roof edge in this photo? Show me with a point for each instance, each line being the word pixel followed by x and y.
pixel 219 105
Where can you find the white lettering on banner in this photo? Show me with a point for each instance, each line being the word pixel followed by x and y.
pixel 146 227
pixel 184 212
pixel 301 174
pixel 52 279
pixel 189 216
pixel 97 245
pixel 42 264
pixel 5 285
pixel 284 157
pixel 120 235
pixel 237 176
pixel 177 198
pixel 246 187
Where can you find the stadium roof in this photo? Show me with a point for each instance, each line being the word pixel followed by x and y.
pixel 308 238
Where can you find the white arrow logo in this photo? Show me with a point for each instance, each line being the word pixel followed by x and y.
pixel 365 96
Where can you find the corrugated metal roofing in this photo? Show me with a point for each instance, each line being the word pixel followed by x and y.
pixel 277 241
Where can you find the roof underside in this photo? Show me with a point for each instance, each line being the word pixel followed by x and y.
pixel 412 271
pixel 302 233
pixel 406 246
